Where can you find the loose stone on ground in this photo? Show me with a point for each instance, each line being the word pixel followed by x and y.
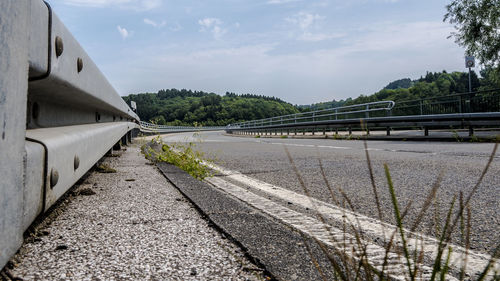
pixel 112 227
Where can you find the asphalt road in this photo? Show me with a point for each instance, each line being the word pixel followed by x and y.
pixel 415 167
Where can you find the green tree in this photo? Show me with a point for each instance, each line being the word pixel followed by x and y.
pixel 478 28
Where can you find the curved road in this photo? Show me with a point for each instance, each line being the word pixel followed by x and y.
pixel 415 168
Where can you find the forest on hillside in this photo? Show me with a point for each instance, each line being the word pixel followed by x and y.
pixel 433 84
pixel 186 108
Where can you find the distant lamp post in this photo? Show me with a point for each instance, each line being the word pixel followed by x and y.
pixel 470 63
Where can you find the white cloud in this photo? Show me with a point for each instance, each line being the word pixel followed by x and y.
pixel 281 1
pixel 139 5
pixel 207 23
pixel 308 25
pixel 123 32
pixel 304 20
pixel 316 37
pixel 155 24
pixel 213 25
pixel 375 54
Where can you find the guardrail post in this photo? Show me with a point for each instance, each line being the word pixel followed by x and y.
pixel 350 130
pixel 388 131
pixel 426 131
pixel 324 131
pixel 295 130
pixel 471 131
pixel 313 130
pixel 367 113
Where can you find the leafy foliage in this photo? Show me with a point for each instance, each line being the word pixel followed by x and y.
pixel 186 107
pixel 433 84
pixel 183 156
pixel 478 27
pixel 191 108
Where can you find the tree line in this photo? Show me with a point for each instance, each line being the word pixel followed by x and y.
pixel 187 108
pixel 432 84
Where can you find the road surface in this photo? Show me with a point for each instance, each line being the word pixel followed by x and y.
pixel 415 167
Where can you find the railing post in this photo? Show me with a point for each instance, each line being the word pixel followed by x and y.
pixel 336 113
pixel 367 113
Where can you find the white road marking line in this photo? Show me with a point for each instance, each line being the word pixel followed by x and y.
pixel 334 147
pixel 476 262
pixel 330 236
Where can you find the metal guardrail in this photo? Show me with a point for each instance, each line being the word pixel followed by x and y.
pixel 57 118
pixel 338 113
pixel 154 128
pixel 481 101
pixel 467 110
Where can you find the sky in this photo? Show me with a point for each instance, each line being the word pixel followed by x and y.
pixel 302 51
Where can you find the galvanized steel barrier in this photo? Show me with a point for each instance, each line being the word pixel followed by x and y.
pixel 161 129
pixel 58 116
pixel 466 110
pixel 364 110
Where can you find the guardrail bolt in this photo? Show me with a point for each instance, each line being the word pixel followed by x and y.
pixel 54 177
pixel 79 64
pixel 59 46
pixel 76 162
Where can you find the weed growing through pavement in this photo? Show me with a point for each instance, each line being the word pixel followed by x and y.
pixel 184 156
pixel 355 264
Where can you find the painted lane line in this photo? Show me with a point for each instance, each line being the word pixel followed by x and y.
pixel 334 147
pixel 330 236
pixel 476 262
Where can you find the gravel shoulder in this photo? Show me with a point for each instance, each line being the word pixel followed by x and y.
pixel 132 224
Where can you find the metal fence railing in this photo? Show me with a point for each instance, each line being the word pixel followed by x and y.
pixel 483 101
pixel 154 128
pixel 474 102
pixel 366 110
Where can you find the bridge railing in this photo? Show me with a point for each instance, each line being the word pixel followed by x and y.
pixel 154 128
pixel 57 118
pixel 466 110
pixel 481 101
pixel 366 110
